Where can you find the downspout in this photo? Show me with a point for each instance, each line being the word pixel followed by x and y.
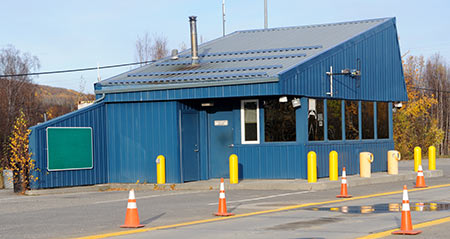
pixel 100 99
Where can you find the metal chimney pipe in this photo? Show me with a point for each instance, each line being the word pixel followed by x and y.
pixel 194 45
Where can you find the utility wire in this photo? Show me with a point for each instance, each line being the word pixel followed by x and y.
pixel 428 89
pixel 75 70
pixel 131 64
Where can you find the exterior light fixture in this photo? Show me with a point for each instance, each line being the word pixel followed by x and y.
pixel 283 99
pixel 207 104
pixel 398 105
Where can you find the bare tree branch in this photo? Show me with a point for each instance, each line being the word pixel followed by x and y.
pixel 148 48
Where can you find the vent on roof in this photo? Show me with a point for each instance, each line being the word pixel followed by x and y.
pixel 174 54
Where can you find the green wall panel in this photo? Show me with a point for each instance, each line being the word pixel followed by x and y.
pixel 69 148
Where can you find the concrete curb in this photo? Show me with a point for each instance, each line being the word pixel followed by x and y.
pixel 301 184
pixel 79 189
pixel 261 184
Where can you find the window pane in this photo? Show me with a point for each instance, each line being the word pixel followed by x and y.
pixel 279 121
pixel 351 120
pixel 334 119
pixel 315 120
pixel 382 120
pixel 367 120
pixel 250 117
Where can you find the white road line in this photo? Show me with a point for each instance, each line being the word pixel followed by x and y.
pixel 262 198
pixel 149 196
pixel 37 197
pixel 14 198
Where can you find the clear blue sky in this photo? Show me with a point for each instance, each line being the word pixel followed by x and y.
pixel 77 34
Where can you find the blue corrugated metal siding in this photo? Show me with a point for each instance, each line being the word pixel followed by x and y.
pixel 137 134
pixel 348 153
pixel 197 93
pixel 276 161
pixel 381 70
pixel 91 116
pixel 272 161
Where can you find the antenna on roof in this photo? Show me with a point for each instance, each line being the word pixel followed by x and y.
pixel 266 23
pixel 98 72
pixel 223 17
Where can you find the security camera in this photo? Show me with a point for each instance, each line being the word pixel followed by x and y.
pixel 296 102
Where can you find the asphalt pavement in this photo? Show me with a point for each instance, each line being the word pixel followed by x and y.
pixel 311 222
pixel 84 211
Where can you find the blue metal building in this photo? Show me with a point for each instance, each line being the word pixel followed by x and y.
pixel 267 95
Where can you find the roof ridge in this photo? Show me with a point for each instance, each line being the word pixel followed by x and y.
pixel 315 25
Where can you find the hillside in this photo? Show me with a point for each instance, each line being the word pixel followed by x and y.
pixel 60 96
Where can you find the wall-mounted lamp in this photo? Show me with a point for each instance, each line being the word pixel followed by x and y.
pixel 207 104
pixel 283 99
pixel 397 106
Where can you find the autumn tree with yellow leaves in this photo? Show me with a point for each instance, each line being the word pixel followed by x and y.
pixel 20 161
pixel 413 123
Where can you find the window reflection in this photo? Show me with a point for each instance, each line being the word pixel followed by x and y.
pixel 334 117
pixel 315 120
pixel 279 121
pixel 382 120
pixel 351 120
pixel 367 120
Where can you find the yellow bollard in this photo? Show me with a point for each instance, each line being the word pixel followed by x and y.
pixel 334 166
pixel 393 158
pixel 160 169
pixel 312 167
pixel 234 173
pixel 417 158
pixel 431 158
pixel 365 159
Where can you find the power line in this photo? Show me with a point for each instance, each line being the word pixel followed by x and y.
pixel 137 63
pixel 75 70
pixel 428 89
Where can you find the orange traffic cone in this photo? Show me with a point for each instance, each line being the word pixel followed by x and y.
pixel 420 181
pixel 406 227
pixel 344 186
pixel 132 217
pixel 222 202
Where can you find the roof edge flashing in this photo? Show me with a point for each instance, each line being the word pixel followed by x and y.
pixel 65 116
pixel 381 19
pixel 188 85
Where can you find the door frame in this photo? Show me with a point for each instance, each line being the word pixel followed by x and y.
pixel 180 130
pixel 218 105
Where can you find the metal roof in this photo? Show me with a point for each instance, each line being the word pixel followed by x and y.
pixel 251 55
